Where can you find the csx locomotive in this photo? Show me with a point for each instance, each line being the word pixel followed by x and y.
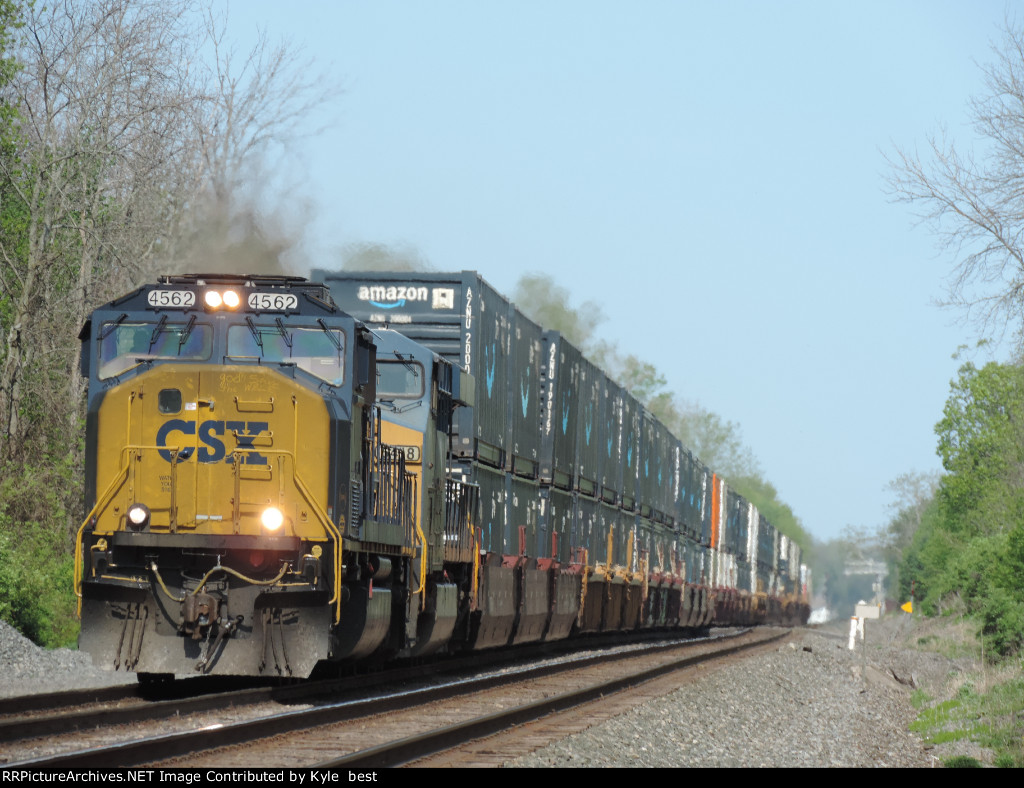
pixel 370 466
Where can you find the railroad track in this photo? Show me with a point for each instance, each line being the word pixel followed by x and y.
pixel 57 714
pixel 387 728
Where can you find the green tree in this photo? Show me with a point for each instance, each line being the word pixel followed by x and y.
pixel 914 501
pixel 547 303
pixel 765 497
pixel 914 493
pixel 381 257
pixel 981 443
pixel 968 551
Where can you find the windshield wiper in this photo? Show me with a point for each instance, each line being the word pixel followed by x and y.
pixel 156 331
pixel 111 326
pixel 284 333
pixel 255 332
pixel 330 334
pixel 185 332
pixel 407 364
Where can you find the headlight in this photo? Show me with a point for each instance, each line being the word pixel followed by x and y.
pixel 231 299
pixel 272 518
pixel 138 516
pixel 212 299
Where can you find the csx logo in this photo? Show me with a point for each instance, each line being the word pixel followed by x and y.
pixel 212 448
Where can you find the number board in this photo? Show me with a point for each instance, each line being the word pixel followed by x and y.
pixel 273 302
pixel 412 453
pixel 171 299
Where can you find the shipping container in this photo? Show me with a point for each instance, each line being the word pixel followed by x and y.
pixel 561 383
pixel 629 456
pixel 524 376
pixel 458 316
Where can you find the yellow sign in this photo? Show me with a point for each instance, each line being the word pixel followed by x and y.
pixel 909 607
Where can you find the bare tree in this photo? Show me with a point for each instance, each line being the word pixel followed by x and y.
pixel 102 98
pixel 913 492
pixel 974 201
pixel 254 106
pixel 131 155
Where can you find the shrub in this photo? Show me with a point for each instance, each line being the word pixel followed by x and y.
pixel 962 762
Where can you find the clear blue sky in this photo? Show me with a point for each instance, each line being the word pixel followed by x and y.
pixel 711 173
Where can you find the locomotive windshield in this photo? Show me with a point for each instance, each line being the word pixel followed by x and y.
pixel 126 345
pixel 318 351
pixel 399 380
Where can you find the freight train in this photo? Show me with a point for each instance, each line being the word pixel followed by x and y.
pixel 364 467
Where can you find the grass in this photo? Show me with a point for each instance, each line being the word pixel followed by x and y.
pixel 987 708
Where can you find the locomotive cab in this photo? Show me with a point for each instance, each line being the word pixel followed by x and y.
pixel 230 438
pixel 417 392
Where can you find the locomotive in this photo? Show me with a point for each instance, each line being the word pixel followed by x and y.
pixel 363 467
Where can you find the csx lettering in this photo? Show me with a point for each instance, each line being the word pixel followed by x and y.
pixel 210 446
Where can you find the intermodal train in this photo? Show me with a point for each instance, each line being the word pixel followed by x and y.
pixel 363 467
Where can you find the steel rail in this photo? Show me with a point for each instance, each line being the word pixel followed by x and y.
pixel 21 718
pixel 403 751
pixel 167 746
pixel 22 704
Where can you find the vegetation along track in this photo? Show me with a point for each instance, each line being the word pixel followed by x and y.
pixel 399 726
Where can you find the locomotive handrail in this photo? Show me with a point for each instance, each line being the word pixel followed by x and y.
pixel 321 515
pixel 103 500
pixel 119 478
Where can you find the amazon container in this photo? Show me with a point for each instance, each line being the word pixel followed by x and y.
pixel 523 513
pixel 690 496
pixel 734 540
pixel 493 521
pixel 696 497
pixel 767 543
pixel 782 560
pixel 590 537
pixel 560 404
pixel 524 377
pixel 647 493
pixel 557 523
pixel 799 575
pixel 616 523
pixel 458 316
pixel 609 438
pixel 632 435
pixel 675 504
pixel 657 470
pixel 745 579
pixel 591 429
pixel 693 560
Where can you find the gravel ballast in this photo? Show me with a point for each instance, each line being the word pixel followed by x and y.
pixel 803 704
pixel 28 669
pixel 806 704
